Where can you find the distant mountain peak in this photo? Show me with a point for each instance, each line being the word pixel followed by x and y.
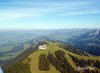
pixel 95 33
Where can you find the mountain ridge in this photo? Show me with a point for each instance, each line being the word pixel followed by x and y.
pixel 31 62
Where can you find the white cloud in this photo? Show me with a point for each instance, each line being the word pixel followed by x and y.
pixel 23 9
pixel 79 13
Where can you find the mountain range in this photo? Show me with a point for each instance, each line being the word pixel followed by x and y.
pixel 88 42
pixel 67 51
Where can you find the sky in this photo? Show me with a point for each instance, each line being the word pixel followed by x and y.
pixel 49 14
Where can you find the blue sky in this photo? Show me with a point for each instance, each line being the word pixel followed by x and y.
pixel 49 14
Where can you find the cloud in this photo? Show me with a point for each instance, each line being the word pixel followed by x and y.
pixel 79 13
pixel 16 10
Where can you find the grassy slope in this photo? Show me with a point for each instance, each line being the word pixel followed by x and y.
pixel 35 59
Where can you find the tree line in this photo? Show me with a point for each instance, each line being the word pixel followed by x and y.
pixel 59 61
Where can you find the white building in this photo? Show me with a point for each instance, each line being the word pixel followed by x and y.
pixel 42 47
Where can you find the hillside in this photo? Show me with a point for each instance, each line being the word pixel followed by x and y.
pixel 56 58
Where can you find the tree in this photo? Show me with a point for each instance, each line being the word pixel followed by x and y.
pixel 43 63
